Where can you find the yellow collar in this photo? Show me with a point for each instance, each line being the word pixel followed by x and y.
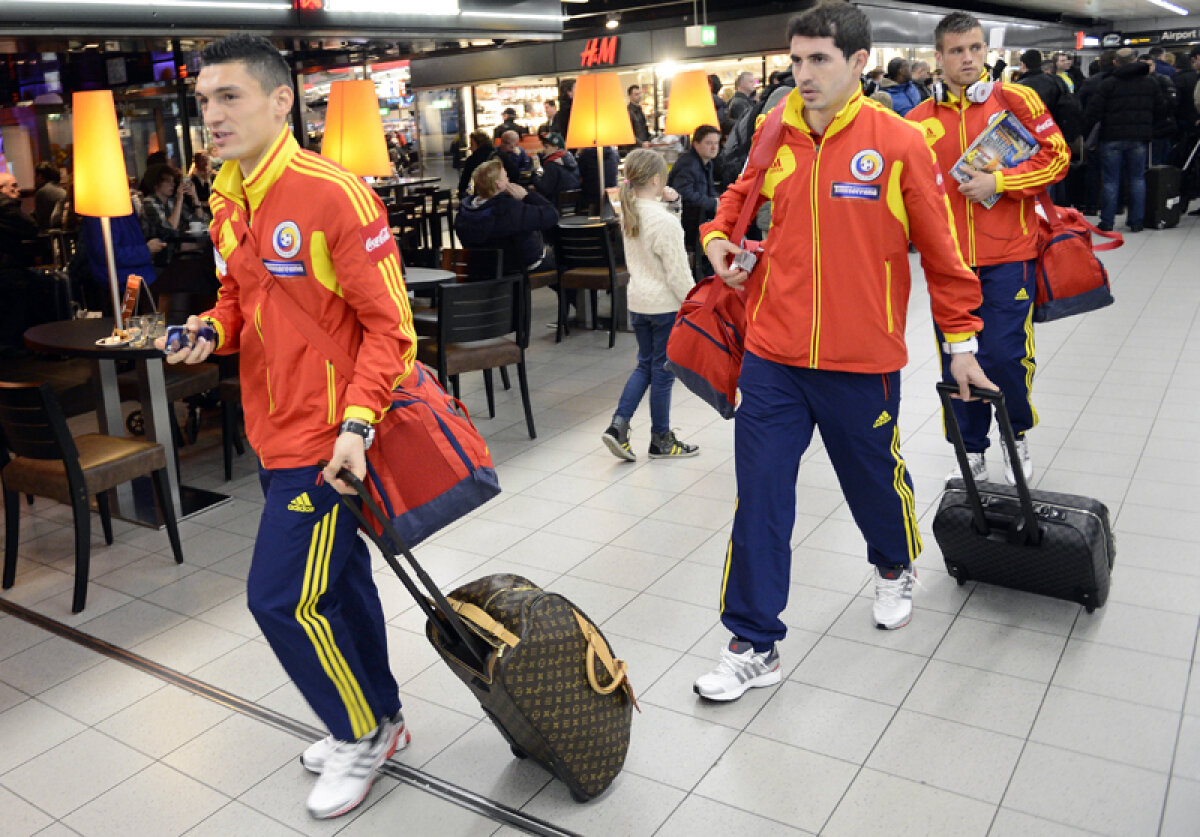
pixel 793 113
pixel 253 189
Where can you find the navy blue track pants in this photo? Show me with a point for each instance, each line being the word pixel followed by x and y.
pixel 311 590
pixel 1005 352
pixel 780 407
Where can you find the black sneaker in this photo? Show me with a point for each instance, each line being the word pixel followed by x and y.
pixel 1104 227
pixel 1135 228
pixel 666 446
pixel 616 439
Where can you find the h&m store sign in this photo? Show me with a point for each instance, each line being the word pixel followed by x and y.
pixel 600 52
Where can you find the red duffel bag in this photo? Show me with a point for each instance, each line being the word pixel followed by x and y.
pixel 1070 279
pixel 707 342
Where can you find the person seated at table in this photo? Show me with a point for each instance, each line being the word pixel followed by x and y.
pixel 517 163
pixel 164 215
pixel 17 229
pixel 200 175
pixel 504 216
pixel 49 193
pixel 481 150
pixel 560 169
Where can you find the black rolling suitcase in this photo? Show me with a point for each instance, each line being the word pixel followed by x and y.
pixel 540 669
pixel 52 297
pixel 1164 201
pixel 1058 545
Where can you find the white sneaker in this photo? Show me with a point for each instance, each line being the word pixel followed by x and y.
pixel 978 468
pixel 349 771
pixel 893 599
pixel 741 668
pixel 1026 462
pixel 313 758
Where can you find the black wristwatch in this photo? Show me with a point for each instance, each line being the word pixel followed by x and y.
pixel 359 427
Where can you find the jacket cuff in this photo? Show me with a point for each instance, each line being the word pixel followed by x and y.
pixel 218 328
pixel 1000 185
pixel 361 413
pixel 714 234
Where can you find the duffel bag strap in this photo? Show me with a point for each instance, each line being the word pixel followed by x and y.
pixel 479 616
pixel 618 672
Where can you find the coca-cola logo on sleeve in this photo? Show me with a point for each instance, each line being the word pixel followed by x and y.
pixel 375 237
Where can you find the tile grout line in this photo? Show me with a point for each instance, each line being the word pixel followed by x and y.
pixel 418 779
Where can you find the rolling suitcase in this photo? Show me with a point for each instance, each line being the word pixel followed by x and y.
pixel 1164 203
pixel 1058 545
pixel 540 669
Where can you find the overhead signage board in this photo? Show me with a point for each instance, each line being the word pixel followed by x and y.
pixel 453 18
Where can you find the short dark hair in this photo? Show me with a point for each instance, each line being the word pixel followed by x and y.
pixel 955 23
pixel 1194 51
pixel 259 55
pixel 895 66
pixel 714 82
pixel 48 172
pixel 1031 58
pixel 704 131
pixel 155 175
pixel 550 103
pixel 632 88
pixel 848 25
pixel 1106 60
pixel 1156 52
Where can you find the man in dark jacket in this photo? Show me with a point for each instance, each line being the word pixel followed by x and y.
pixel 743 96
pixel 509 124
pixel 516 162
pixel 1160 66
pixel 1187 119
pixel 637 116
pixel 1164 127
pixel 1125 105
pixel 560 169
pixel 16 282
pixel 16 226
pixel 722 107
pixel 1050 88
pixel 692 174
pixel 1101 69
pixel 504 216
pixel 589 174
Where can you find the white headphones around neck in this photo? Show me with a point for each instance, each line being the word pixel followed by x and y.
pixel 979 92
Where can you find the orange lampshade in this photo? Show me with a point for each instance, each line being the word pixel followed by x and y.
pixel 101 185
pixel 690 104
pixel 354 130
pixel 598 113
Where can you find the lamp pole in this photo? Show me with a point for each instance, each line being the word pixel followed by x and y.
pixel 113 284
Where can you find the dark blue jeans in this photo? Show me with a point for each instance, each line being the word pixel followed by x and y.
pixel 1129 157
pixel 652 331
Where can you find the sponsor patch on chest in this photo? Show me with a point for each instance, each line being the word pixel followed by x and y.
pixel 855 191
pixel 375 238
pixel 285 269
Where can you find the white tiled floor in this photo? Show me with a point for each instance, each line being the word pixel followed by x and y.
pixel 994 712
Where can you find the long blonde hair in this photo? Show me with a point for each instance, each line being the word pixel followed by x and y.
pixel 641 166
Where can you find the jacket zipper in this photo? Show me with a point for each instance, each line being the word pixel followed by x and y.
pixel 815 342
pixel 266 369
pixel 331 387
pixel 887 272
pixel 762 293
pixel 962 148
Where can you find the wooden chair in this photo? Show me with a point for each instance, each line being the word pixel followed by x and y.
pixel 481 326
pixel 587 260
pixel 467 266
pixel 48 462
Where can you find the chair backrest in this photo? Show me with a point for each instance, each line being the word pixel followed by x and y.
pixel 588 246
pixel 480 310
pixel 33 424
pixel 473 265
pixel 568 201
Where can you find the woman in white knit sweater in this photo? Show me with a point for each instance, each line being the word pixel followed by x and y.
pixel 659 279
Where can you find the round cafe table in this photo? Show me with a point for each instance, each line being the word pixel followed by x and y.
pixel 77 338
pixel 417 277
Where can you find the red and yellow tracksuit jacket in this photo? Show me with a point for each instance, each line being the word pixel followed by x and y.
pixel 1008 231
pixel 324 236
pixel 830 290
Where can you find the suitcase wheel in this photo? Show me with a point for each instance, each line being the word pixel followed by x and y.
pixel 580 797
pixel 518 752
pixel 956 574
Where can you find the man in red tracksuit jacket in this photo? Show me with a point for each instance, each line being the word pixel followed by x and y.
pixel 324 237
pixel 851 184
pixel 1000 243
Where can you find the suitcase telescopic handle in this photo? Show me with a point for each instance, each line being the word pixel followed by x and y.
pixel 1027 529
pixel 439 610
